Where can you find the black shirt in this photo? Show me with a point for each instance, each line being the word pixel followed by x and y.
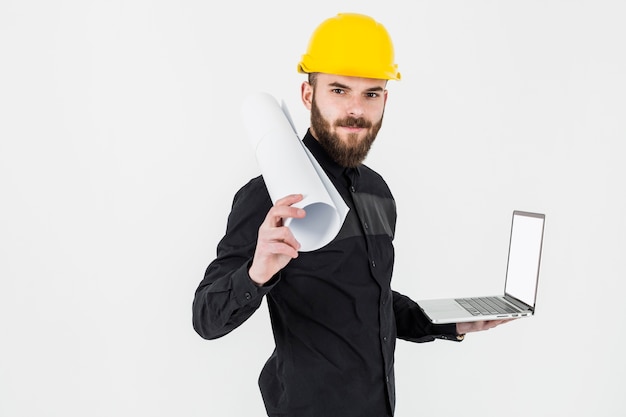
pixel 334 315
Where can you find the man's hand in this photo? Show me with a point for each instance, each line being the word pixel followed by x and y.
pixel 276 245
pixel 477 326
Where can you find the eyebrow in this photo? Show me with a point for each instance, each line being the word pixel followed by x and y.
pixel 345 87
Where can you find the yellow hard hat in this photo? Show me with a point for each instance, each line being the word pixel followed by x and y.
pixel 351 44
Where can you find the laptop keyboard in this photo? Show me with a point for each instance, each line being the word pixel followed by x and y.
pixel 486 306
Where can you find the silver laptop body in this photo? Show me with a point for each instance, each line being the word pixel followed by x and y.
pixel 521 280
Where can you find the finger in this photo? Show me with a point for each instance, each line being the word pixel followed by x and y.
pixel 278 213
pixel 282 248
pixel 271 247
pixel 493 323
pixel 279 234
pixel 282 207
pixel 289 200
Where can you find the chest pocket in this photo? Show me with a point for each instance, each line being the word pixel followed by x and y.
pixel 376 214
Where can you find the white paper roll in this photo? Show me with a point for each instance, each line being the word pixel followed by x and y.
pixel 289 168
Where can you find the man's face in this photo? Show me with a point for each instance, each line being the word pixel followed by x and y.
pixel 346 114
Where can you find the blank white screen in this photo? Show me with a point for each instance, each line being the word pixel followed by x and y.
pixel 524 257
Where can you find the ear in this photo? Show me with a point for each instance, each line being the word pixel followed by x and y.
pixel 306 94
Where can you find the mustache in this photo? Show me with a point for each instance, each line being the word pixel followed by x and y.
pixel 353 122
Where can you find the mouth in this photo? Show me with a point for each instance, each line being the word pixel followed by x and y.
pixel 352 128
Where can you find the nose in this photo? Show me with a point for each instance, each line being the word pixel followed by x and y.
pixel 356 106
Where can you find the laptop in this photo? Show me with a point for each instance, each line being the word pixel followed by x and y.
pixel 520 286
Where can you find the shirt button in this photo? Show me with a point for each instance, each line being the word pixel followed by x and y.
pixel 384 338
pixel 373 264
pixel 387 378
pixel 352 189
pixel 366 226
pixel 248 296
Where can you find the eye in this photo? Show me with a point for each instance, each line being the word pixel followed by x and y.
pixel 372 95
pixel 338 91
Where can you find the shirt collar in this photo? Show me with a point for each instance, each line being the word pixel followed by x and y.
pixel 329 165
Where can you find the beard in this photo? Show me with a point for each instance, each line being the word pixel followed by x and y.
pixel 353 151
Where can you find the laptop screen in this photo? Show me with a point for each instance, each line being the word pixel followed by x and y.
pixel 524 256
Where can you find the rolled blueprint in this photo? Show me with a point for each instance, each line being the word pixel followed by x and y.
pixel 288 167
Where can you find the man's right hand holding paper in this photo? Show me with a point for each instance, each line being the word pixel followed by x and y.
pixel 276 245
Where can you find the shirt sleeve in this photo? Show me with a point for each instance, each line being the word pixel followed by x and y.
pixel 413 325
pixel 226 296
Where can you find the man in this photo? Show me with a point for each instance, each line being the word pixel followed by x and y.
pixel 334 315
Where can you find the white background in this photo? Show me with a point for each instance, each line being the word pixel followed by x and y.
pixel 121 147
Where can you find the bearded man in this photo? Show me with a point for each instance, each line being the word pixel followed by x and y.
pixel 334 315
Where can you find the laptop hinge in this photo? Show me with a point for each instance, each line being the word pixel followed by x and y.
pixel 519 304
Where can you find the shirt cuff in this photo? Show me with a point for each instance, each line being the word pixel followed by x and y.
pixel 247 291
pixel 448 332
